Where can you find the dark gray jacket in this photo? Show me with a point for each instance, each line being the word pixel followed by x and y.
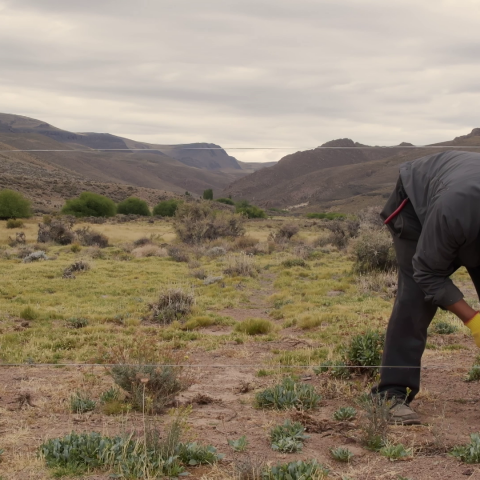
pixel 444 190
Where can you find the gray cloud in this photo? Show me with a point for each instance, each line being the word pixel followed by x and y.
pixel 243 72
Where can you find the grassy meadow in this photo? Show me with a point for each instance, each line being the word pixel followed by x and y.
pixel 261 308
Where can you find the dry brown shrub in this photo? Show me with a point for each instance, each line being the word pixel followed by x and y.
pixel 198 222
pixel 88 237
pixel 20 239
pixel 149 250
pixel 174 304
pixel 284 233
pixel 341 231
pixel 57 231
pixel 370 217
pixel 178 253
pixel 240 265
pixel 373 250
pixel 244 242
pixel 384 283
pixel 80 266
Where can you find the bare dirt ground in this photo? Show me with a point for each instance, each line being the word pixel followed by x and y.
pixel 34 407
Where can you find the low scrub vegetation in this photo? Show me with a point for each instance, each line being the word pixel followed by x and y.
pixel 133 206
pixel 14 223
pixel 90 204
pixel 166 208
pixel 288 394
pixel 327 216
pixel 240 265
pixel 373 251
pixel 173 304
pixel 199 222
pixel 254 326
pixel 13 205
pixel 288 438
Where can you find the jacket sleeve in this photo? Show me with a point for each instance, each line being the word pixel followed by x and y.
pixel 433 263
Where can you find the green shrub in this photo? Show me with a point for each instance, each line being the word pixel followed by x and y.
pixel 13 223
pixel 250 211
pixel 128 456
pixel 288 438
pixel 373 251
pixel 133 206
pixel 29 313
pixel 473 374
pixel 110 395
pixel 444 328
pixel 365 350
pixel 288 394
pixel 195 454
pixel 199 222
pixel 13 205
pixel 299 470
pixel 345 413
pixel 469 453
pixel 254 326
pixel 327 216
pixel 80 402
pixel 208 194
pixel 395 452
pixel 341 454
pixel 166 208
pixel 226 201
pixel 90 204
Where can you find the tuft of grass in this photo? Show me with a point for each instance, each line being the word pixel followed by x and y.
pixel 76 322
pixel 254 326
pixel 110 395
pixel 295 262
pixel 80 402
pixel 376 410
pixel 15 223
pixel 365 350
pixel 341 454
pixel 473 374
pixel 288 438
pixel 344 414
pixel 469 453
pixel 444 328
pixel 288 394
pixel 241 265
pixel 29 313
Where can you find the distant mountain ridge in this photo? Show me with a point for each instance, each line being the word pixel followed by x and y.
pixel 75 156
pixel 338 179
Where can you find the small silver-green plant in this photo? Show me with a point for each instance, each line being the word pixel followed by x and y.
pixel 344 413
pixel 110 395
pixel 80 402
pixel 444 328
pixel 194 453
pixel 288 438
pixel 395 452
pixel 240 444
pixel 469 453
pixel 341 454
pixel 288 394
pixel 304 470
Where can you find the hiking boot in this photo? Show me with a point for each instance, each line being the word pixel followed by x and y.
pixel 402 414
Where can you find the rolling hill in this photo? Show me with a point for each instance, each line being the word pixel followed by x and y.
pixel 62 158
pixel 334 179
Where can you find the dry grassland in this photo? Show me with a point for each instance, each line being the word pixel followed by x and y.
pixel 244 333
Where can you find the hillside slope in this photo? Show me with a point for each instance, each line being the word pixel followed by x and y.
pixel 148 167
pixel 322 179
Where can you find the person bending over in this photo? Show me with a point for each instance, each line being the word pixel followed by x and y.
pixel 434 217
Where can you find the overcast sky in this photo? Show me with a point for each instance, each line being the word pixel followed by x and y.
pixel 245 73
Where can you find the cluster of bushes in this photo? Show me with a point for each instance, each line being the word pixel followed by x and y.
pixel 327 216
pixel 90 204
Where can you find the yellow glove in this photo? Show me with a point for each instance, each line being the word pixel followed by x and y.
pixel 474 325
